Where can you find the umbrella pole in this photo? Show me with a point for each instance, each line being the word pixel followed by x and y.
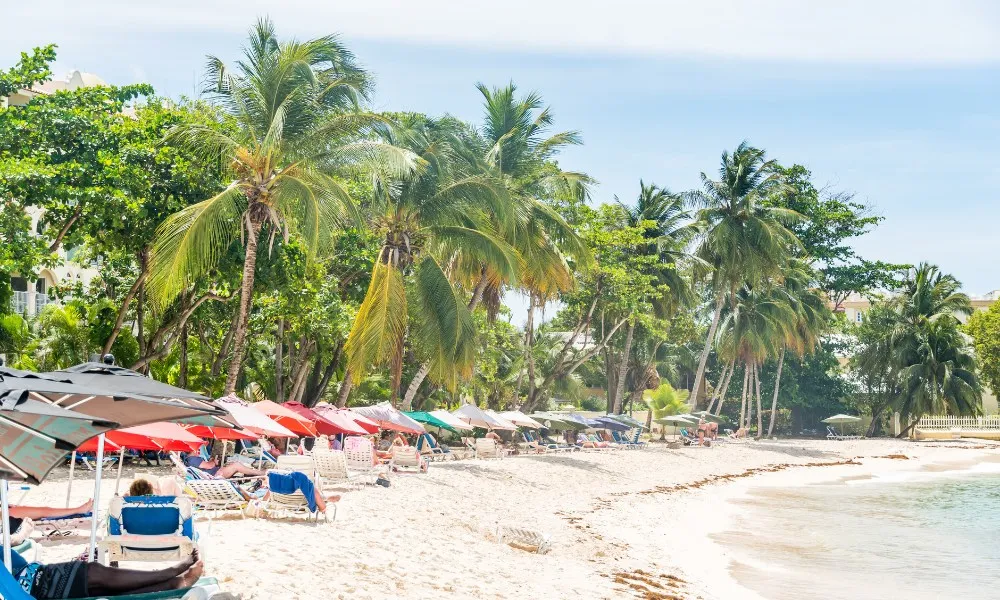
pixel 97 498
pixel 121 463
pixel 69 487
pixel 6 524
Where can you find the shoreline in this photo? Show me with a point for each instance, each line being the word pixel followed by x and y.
pixel 917 465
pixel 623 524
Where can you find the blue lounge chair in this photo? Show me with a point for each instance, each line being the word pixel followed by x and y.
pixel 148 528
pixel 10 589
pixel 623 441
pixel 430 449
pixel 637 441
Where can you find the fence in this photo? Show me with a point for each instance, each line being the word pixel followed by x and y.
pixel 989 423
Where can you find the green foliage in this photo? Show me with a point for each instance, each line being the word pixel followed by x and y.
pixel 665 401
pixel 31 69
pixel 984 327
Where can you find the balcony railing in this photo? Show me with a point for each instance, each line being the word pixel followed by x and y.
pixel 20 302
pixel 30 303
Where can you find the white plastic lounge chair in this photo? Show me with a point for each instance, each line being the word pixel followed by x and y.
pixel 295 462
pixel 360 455
pixel 407 457
pixel 215 495
pixel 331 470
pixel 148 528
pixel 294 503
pixel 488 448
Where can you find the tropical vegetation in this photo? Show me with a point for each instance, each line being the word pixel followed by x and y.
pixel 280 234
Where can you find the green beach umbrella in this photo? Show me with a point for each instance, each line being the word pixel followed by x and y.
pixel 429 419
pixel 627 420
pixel 704 415
pixel 676 420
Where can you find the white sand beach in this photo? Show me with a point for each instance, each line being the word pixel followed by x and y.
pixel 623 523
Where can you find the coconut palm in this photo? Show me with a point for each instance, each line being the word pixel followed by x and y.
pixel 811 316
pixel 64 337
pixel 743 241
pixel 514 146
pixel 665 401
pixel 932 357
pixel 293 122
pixel 430 222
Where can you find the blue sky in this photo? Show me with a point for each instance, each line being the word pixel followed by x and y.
pixel 894 101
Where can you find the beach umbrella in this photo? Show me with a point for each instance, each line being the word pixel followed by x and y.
pixel 332 412
pixel 329 424
pixel 704 415
pixel 612 424
pixel 125 382
pixel 840 420
pixel 676 420
pixel 587 423
pixel 628 420
pixel 35 436
pixel 289 419
pixel 428 419
pixel 251 419
pixel 520 419
pixel 508 425
pixel 557 423
pixel 477 417
pixel 388 417
pixel 453 421
pixel 220 433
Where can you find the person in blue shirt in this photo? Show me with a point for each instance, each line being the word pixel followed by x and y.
pixel 78 579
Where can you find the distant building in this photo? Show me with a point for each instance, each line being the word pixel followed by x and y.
pixel 31 295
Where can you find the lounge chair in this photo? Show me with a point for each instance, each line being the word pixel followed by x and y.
pixel 216 495
pixel 532 444
pixel 407 457
pixel 331 469
pixel 623 441
pixel 635 439
pixel 551 444
pixel 524 538
pixel 64 526
pixel 360 455
pixel 293 493
pixel 296 462
pixel 148 528
pixel 430 450
pixel 488 448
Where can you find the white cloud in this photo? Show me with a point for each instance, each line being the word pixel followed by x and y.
pixel 907 32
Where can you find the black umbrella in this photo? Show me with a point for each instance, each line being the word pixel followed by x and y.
pixel 159 401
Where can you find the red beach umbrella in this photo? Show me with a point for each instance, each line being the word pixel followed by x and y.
pixel 331 423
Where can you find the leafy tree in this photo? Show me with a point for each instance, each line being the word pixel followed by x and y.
pixel 665 401
pixel 830 221
pixel 984 327
pixel 294 108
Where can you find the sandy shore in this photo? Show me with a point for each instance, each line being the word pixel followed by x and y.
pixel 623 524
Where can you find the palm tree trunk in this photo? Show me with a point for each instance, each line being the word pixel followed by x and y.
pixel 227 343
pixel 774 400
pixel 529 335
pixel 743 395
pixel 717 390
pixel 700 373
pixel 623 369
pixel 749 418
pixel 279 371
pixel 760 414
pixel 345 388
pixel 725 387
pixel 246 296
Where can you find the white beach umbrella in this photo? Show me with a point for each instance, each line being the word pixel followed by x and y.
pixel 840 420
pixel 520 419
pixel 477 417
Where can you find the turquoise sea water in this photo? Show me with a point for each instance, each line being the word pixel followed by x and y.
pixel 927 535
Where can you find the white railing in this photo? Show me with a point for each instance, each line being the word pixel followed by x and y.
pixel 989 423
pixel 41 301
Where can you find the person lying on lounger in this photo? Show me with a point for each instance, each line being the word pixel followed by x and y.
pixel 22 518
pixel 233 469
pixel 78 579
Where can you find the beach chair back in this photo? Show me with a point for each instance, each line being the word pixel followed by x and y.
pixel 216 494
pixel 296 462
pixel 407 457
pixel 290 503
pixel 360 453
pixel 487 448
pixel 330 464
pixel 151 515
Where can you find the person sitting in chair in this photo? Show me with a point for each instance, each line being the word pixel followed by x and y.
pixel 230 471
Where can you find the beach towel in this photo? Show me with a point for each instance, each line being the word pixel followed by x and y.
pixel 289 483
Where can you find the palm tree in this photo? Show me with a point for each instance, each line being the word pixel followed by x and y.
pixel 743 241
pixel 293 111
pixel 668 227
pixel 932 357
pixel 64 337
pixel 665 401
pixel 754 328
pixel 430 222
pixel 514 147
pixel 810 318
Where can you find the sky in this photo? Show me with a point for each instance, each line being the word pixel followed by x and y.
pixel 892 100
